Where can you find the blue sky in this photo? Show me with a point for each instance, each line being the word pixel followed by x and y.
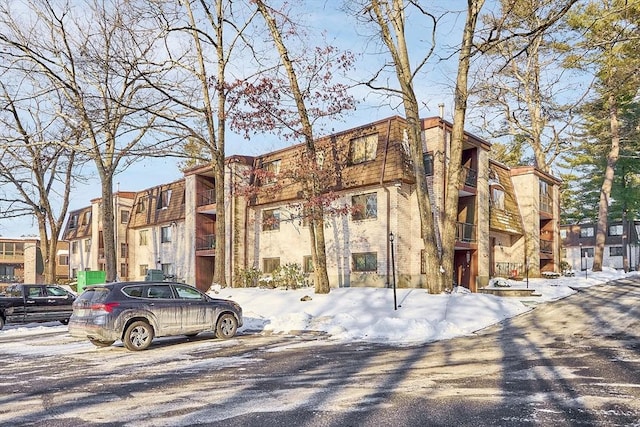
pixel 434 88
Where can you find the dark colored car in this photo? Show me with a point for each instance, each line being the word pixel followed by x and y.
pixel 26 303
pixel 136 312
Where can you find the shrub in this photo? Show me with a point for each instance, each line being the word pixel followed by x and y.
pixel 248 277
pixel 290 276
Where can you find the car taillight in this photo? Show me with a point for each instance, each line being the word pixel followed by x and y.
pixel 108 307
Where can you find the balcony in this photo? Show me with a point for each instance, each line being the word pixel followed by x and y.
pixel 206 201
pixel 510 270
pixel 469 177
pixel 206 242
pixel 546 204
pixel 207 197
pixel 546 246
pixel 466 232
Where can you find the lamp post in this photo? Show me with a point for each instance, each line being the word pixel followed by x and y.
pixel 393 269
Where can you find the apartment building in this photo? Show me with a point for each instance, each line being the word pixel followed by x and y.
pixel 369 175
pixel 21 261
pixel 83 232
pixel 621 248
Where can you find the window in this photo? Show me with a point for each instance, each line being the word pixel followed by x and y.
pixel 270 220
pixel 74 273
pixel 63 260
pixel 124 270
pixel 164 199
pixel 143 269
pixel 144 237
pixel 54 291
pixel 615 230
pixel 307 264
pixel 365 206
pixel 19 248
pixel 616 251
pixel 86 218
pixel 167 270
pixel 73 221
pixel 159 291
pixel 427 160
pixel 133 291
pixel 141 206
pixel 185 292
pixel 497 197
pixel 87 245
pixel 165 234
pixel 363 149
pixel 269 265
pixel 563 234
pixel 124 250
pixel 588 252
pixel 365 261
pixel 271 171
pixel 423 262
pixel 124 216
pixel 586 231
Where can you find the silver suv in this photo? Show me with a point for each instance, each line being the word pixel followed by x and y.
pixel 136 312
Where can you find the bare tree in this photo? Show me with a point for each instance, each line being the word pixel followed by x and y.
pixel 91 51
pixel 301 122
pixel 523 93
pixel 204 41
pixel 38 169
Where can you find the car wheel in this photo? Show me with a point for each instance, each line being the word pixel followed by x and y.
pixel 227 326
pixel 1 322
pixel 138 336
pixel 65 321
pixel 99 343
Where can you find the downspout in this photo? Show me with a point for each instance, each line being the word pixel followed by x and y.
pixel 384 187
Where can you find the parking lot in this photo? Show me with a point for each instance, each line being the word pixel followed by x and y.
pixel 571 362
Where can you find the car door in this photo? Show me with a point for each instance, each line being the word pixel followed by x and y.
pixel 59 302
pixel 197 312
pixel 36 308
pixel 164 306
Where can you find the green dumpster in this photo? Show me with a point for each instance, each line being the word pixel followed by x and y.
pixel 86 278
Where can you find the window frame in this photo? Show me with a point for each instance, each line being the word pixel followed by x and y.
pixel 269 269
pixel 363 148
pixel 271 219
pixel 362 262
pixel 165 234
pixel 364 213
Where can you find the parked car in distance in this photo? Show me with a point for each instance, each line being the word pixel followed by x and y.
pixel 26 303
pixel 136 312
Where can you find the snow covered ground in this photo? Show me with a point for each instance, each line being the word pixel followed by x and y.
pixel 367 314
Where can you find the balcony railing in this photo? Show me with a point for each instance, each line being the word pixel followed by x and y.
pixel 466 232
pixel 509 269
pixel 207 197
pixel 546 203
pixel 206 242
pixel 546 246
pixel 469 176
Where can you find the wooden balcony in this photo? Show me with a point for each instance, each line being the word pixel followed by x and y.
pixel 206 242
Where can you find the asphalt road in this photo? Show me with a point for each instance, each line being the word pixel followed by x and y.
pixel 574 362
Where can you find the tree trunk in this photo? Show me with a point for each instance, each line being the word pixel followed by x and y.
pixel 108 231
pixel 607 183
pixel 457 139
pixel 320 263
pixel 219 276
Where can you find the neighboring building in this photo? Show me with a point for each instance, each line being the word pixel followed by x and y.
pixel 156 236
pixel 172 226
pixel 621 242
pixel 21 261
pixel 83 232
